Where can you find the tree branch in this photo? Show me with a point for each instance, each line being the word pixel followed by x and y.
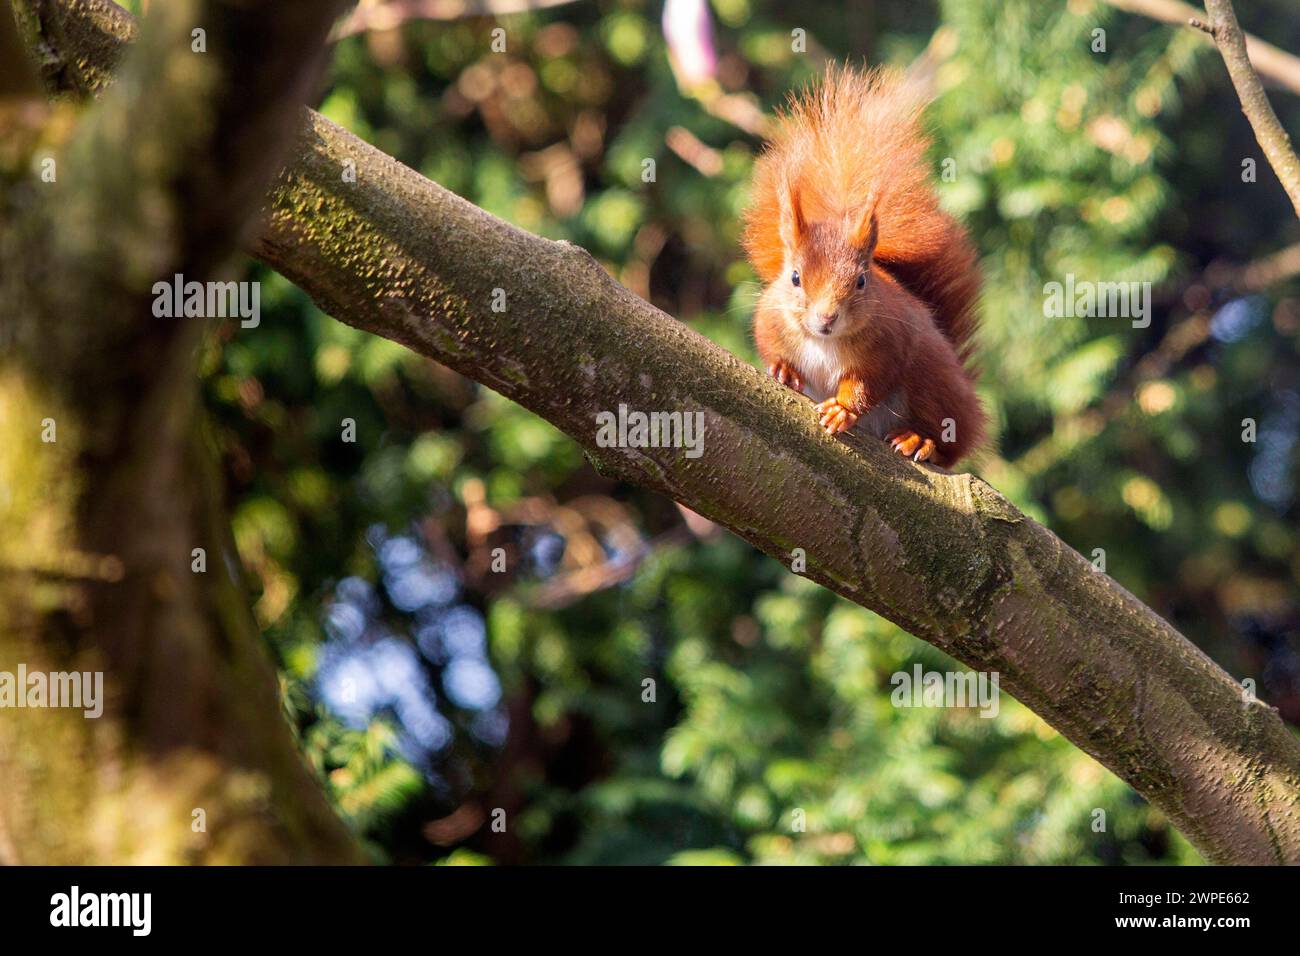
pixel 97 29
pixel 1273 139
pixel 944 556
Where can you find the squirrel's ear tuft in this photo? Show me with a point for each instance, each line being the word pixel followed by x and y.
pixel 793 224
pixel 864 230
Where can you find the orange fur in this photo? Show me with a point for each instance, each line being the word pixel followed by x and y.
pixel 842 194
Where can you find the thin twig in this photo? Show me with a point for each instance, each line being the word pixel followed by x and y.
pixel 1273 139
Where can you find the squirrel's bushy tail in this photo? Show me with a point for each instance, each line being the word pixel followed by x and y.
pixel 856 139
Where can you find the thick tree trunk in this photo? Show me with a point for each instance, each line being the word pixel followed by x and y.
pixel 191 760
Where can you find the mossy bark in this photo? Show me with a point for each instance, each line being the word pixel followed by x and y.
pixel 107 484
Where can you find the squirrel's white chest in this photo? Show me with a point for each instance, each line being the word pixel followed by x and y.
pixel 821 368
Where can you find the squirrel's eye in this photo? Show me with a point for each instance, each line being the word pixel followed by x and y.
pixel 794 277
pixel 862 280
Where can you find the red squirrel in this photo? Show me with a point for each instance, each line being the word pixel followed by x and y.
pixel 870 288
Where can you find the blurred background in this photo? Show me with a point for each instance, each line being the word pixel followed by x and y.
pixel 437 695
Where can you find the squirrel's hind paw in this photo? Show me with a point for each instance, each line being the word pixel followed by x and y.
pixel 911 444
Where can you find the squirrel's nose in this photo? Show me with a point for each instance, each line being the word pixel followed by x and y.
pixel 827 320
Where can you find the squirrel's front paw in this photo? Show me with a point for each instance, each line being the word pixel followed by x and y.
pixel 910 444
pixel 835 417
pixel 785 373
